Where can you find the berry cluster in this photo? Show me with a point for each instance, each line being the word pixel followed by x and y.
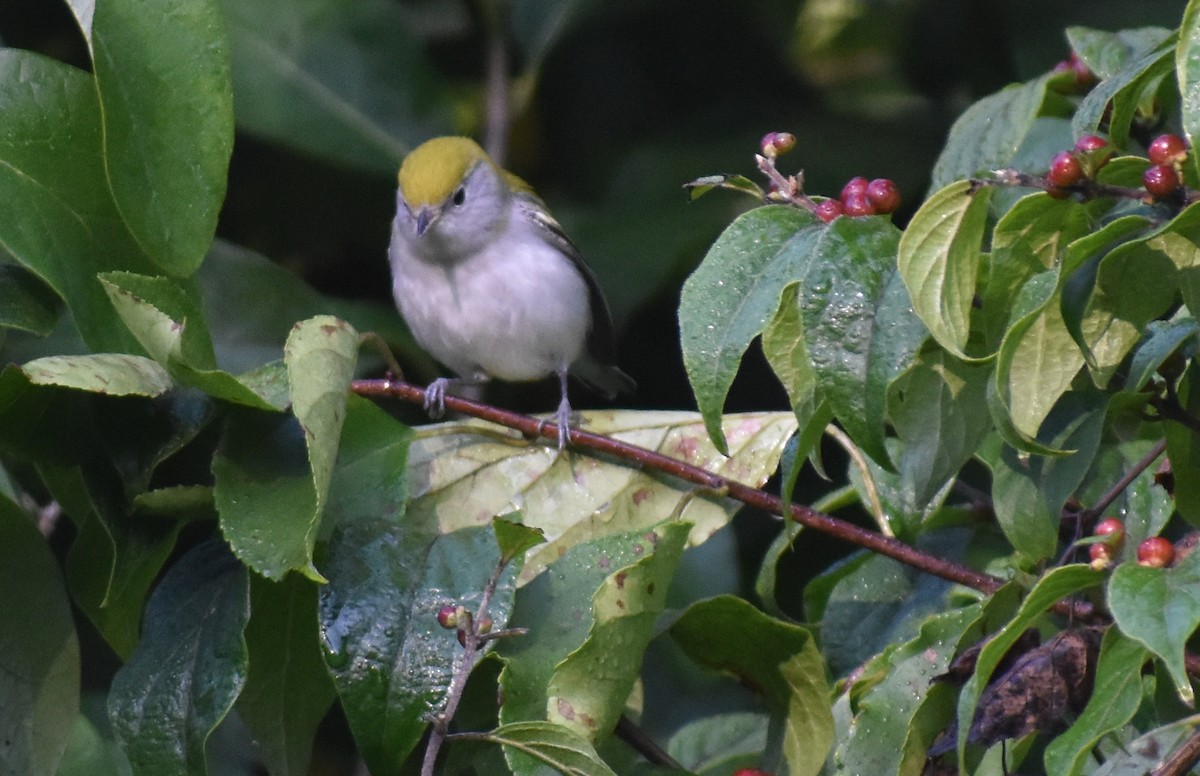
pixel 1164 176
pixel 861 197
pixel 1069 168
pixel 1154 552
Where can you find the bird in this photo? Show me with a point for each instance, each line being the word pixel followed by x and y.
pixel 488 282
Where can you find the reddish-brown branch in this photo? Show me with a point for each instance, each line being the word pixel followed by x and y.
pixel 648 459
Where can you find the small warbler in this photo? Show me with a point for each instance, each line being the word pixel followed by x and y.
pixel 489 284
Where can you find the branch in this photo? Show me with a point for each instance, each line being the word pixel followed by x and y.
pixel 648 459
pixel 1182 759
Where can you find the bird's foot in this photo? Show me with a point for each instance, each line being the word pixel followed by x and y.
pixel 435 398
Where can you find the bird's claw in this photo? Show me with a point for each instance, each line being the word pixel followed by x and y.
pixel 435 398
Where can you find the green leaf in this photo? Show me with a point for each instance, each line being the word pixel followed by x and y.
pixel 557 606
pixel 112 374
pixel 1114 101
pixel 1187 71
pixel 1162 338
pixel 320 358
pixel 391 661
pixel 778 659
pixel 167 111
pixel 588 689
pixel 465 473
pixel 1179 241
pixel 554 745
pixel 872 602
pixel 287 690
pixel 1106 53
pixel 265 493
pixel 717 745
pixel 1029 494
pixel 1027 240
pixel 939 259
pixel 60 221
pixel 1159 609
pixel 858 326
pixel 166 319
pixel 1183 448
pixel 189 666
pixel 733 295
pixel 939 410
pixel 514 539
pixel 1116 696
pixel 39 652
pixel 885 736
pixel 26 302
pixel 348 80
pixel 251 303
pixel 988 134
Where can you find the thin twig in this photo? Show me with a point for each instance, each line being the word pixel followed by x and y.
pixel 473 643
pixel 641 743
pixel 1117 489
pixel 1182 759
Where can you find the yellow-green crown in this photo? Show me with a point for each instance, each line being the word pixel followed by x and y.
pixel 431 172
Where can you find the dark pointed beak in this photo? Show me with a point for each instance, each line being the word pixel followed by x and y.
pixel 425 218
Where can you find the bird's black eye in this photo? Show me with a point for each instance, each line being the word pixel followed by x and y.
pixel 460 196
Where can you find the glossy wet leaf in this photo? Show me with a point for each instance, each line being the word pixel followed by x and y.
pixel 167 113
pixel 60 221
pixel 589 688
pixel 1187 71
pixel 189 666
pixel 859 328
pixel 464 474
pixel 733 295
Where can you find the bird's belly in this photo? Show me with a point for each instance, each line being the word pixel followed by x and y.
pixel 515 316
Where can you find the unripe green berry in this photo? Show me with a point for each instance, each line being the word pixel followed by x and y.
pixel 447 616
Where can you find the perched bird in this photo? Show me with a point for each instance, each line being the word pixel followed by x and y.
pixel 489 284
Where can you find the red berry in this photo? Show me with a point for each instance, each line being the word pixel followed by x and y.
pixel 1065 170
pixel 1155 552
pixel 750 772
pixel 883 195
pixel 856 185
pixel 1167 149
pixel 1161 180
pixel 1111 527
pixel 828 209
pixel 1090 143
pixel 447 616
pixel 856 204
pixel 1101 555
pixel 775 143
